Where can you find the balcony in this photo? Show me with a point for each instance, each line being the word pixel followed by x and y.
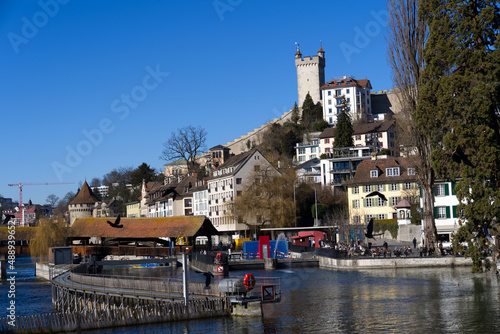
pixel 308 144
pixel 341 171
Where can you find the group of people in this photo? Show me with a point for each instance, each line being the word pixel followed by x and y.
pixel 356 248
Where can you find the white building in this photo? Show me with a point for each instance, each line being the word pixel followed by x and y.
pixel 200 199
pixel 171 199
pixel 309 171
pixel 445 209
pixel 342 163
pixel 357 94
pixel 101 190
pixel 309 148
pixel 229 181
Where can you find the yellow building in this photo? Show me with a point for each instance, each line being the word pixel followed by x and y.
pixel 389 177
pixel 133 209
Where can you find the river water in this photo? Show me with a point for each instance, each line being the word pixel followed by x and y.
pixel 437 300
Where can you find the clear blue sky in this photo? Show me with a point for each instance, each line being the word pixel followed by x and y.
pixel 111 80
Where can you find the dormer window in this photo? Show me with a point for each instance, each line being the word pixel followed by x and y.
pixel 374 173
pixel 411 171
pixel 393 171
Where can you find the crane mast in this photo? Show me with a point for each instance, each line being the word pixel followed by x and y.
pixel 21 184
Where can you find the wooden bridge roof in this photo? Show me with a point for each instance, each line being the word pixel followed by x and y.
pixel 143 228
pixel 22 233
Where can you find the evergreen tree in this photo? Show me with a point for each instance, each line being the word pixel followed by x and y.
pixel 144 172
pixel 320 125
pixel 308 111
pixel 343 129
pixel 458 110
pixel 295 114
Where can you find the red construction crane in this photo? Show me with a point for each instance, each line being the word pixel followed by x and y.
pixel 20 185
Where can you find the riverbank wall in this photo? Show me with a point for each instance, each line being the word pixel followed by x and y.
pixel 391 263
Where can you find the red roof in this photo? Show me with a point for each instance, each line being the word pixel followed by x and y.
pixel 143 228
pixel 348 82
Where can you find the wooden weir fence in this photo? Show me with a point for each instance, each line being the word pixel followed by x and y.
pixel 87 302
pixel 160 311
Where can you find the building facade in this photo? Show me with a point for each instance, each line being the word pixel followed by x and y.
pixel 356 93
pixel 227 182
pixel 309 148
pixel 445 209
pixel 200 198
pixel 309 171
pixel 391 177
pixel 341 163
pixel 381 135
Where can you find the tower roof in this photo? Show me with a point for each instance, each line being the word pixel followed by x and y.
pixel 84 196
pixel 321 50
pixel 298 54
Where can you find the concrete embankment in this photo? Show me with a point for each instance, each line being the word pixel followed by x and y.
pixel 416 262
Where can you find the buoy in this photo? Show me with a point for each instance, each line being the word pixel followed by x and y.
pixel 249 281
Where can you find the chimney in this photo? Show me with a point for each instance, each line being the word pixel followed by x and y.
pixel 374 156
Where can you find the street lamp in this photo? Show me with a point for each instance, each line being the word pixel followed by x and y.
pixel 294 205
pixel 315 207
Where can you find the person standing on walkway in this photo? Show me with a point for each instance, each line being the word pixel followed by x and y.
pixel 386 248
pixel 414 243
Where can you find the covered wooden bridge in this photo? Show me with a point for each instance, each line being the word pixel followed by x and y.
pixel 138 236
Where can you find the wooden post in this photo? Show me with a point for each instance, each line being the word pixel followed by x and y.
pixel 185 278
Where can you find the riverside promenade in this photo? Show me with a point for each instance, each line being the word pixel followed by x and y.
pixel 414 260
pixel 392 262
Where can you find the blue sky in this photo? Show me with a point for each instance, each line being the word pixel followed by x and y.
pixel 90 86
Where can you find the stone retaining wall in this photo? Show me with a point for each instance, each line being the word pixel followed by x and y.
pixel 447 261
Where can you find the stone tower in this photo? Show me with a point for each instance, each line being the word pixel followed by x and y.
pixel 310 75
pixel 82 205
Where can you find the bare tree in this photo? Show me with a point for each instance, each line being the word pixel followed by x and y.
pixel 96 182
pixel 405 44
pixel 52 199
pixel 339 220
pixel 186 143
pixel 267 199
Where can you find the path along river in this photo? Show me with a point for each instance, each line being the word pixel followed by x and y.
pixel 444 300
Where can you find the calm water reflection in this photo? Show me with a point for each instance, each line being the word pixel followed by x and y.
pixel 444 300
